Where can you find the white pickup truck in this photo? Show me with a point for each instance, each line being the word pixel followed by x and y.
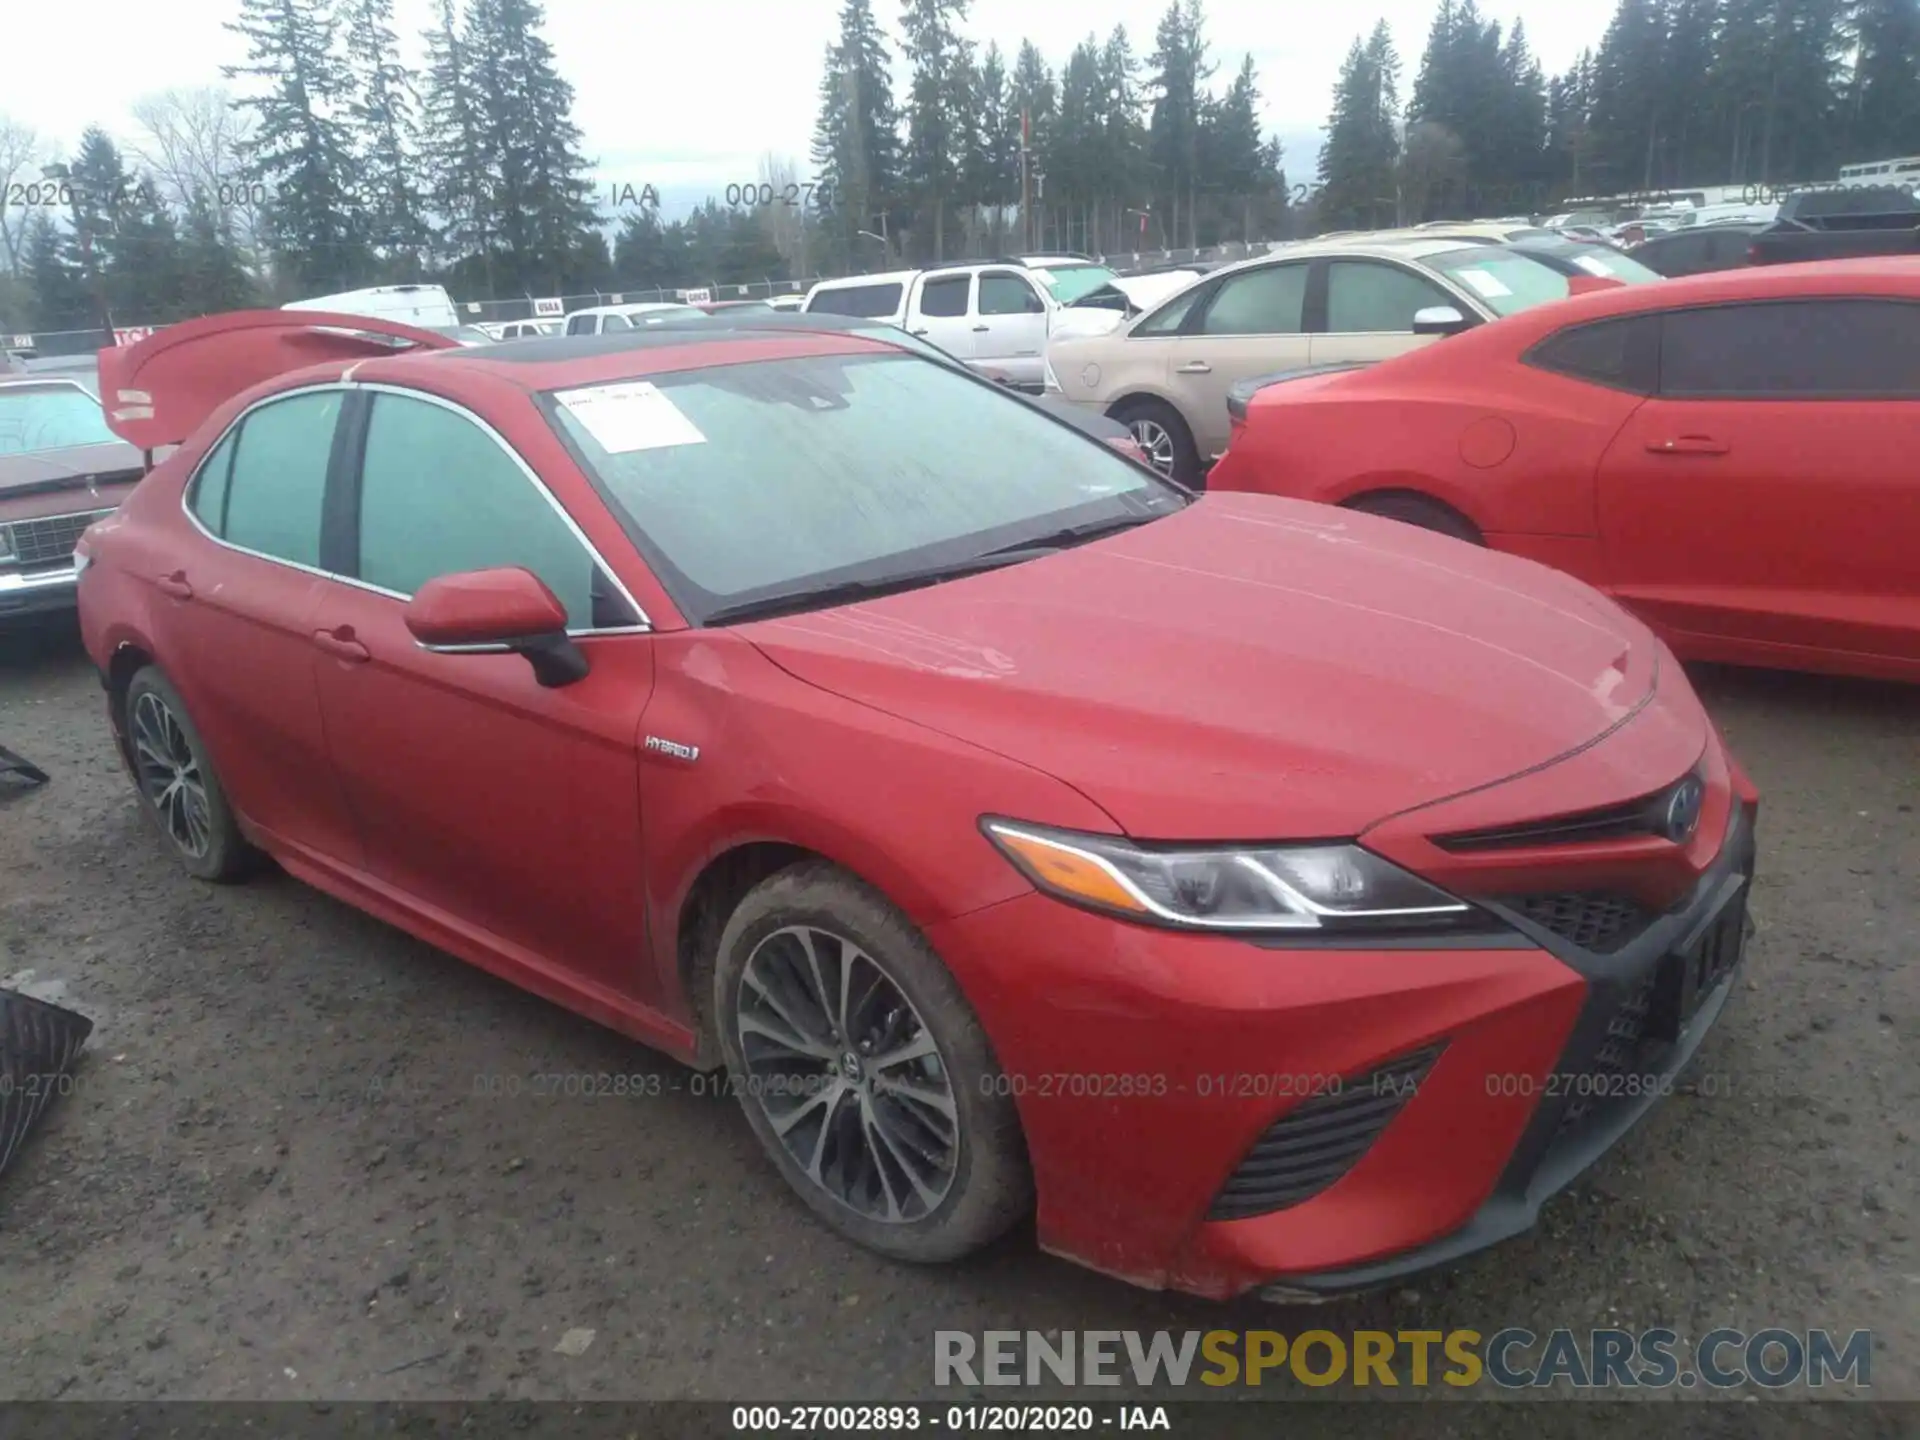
pixel 992 316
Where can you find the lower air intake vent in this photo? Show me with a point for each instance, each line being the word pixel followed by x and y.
pixel 1319 1140
pixel 1593 922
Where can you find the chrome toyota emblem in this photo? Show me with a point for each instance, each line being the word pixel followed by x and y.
pixel 1683 810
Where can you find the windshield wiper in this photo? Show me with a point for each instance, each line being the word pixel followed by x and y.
pixel 847 592
pixel 1073 534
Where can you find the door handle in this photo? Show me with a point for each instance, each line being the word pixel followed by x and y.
pixel 981 329
pixel 1687 445
pixel 340 644
pixel 1195 367
pixel 175 585
pixel 919 332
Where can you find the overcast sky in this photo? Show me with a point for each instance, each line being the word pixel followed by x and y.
pixel 694 94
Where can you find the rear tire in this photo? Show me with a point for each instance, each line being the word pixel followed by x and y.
pixel 1160 431
pixel 919 1157
pixel 179 791
pixel 1418 510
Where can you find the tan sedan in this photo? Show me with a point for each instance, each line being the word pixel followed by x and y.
pixel 1166 375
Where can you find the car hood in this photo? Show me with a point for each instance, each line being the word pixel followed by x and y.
pixel 70 468
pixel 1250 667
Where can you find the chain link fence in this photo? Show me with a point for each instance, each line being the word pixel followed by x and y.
pixel 53 344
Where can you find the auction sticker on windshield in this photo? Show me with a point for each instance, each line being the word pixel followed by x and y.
pixel 632 415
pixel 1486 282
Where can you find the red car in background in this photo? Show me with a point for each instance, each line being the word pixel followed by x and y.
pixel 1021 830
pixel 1732 456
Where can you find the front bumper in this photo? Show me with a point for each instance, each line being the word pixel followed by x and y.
pixel 1148 1066
pixel 38 591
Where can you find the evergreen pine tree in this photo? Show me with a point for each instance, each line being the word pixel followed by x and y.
pixel 856 145
pixel 457 182
pixel 301 149
pixel 50 261
pixel 934 143
pixel 385 124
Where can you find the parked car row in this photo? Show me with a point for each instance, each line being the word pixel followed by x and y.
pixel 1029 835
pixel 1167 373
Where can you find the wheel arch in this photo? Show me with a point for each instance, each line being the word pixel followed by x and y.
pixel 128 659
pixel 750 850
pixel 1412 489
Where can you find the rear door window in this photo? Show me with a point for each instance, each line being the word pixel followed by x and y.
pixel 945 297
pixel 1268 301
pixel 279 477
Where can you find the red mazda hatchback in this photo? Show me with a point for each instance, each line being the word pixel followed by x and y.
pixel 1271 899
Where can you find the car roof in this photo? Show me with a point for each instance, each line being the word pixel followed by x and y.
pixel 635 307
pixel 167 386
pixel 1406 247
pixel 885 277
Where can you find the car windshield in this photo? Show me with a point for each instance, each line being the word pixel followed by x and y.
pixel 1604 261
pixel 1505 281
pixel 50 417
pixel 1067 283
pixel 783 485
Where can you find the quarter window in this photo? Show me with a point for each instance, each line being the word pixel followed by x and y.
pixel 1620 354
pixel 439 496
pixel 870 302
pixel 1267 301
pixel 209 498
pixel 1172 315
pixel 1798 349
pixel 279 477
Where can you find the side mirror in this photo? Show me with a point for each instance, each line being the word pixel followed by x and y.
pixel 1438 320
pixel 492 611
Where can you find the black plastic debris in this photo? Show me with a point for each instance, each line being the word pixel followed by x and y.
pixel 17 773
pixel 38 1044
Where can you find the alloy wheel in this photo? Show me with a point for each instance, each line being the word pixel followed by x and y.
pixel 1157 441
pixel 848 1075
pixel 169 775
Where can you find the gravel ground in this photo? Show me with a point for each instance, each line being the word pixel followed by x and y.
pixel 273 1178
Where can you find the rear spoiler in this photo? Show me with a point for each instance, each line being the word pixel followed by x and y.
pixel 157 391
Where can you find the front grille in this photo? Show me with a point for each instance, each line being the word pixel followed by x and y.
pixel 1597 922
pixel 1319 1140
pixel 51 538
pixel 1643 816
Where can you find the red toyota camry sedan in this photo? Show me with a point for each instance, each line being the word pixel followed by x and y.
pixel 1729 455
pixel 1269 901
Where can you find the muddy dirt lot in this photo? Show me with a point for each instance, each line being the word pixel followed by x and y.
pixel 278 1174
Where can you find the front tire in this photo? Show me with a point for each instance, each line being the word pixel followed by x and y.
pixel 179 790
pixel 863 1070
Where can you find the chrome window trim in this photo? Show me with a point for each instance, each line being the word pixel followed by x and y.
pixel 645 625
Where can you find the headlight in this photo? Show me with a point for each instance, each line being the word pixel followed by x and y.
pixel 7 552
pixel 1293 887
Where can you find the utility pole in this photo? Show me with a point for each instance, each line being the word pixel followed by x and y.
pixel 1026 184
